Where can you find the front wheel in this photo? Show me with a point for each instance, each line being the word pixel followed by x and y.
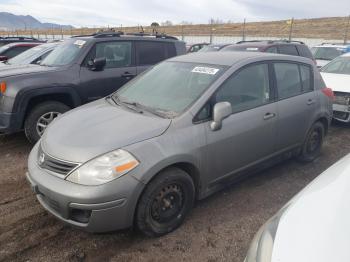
pixel 313 143
pixel 40 117
pixel 165 202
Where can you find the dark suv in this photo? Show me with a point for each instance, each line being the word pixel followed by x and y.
pixel 80 70
pixel 285 47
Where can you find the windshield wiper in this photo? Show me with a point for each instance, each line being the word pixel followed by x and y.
pixel 131 105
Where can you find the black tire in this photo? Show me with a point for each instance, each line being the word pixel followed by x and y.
pixel 30 123
pixel 165 203
pixel 312 146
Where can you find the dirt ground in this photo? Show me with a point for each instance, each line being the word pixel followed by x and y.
pixel 219 228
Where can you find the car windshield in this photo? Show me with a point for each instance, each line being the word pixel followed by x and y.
pixel 23 57
pixel 326 53
pixel 65 53
pixel 169 87
pixel 340 65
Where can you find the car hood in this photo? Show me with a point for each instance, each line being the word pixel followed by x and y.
pixel 97 128
pixel 315 225
pixel 13 70
pixel 338 82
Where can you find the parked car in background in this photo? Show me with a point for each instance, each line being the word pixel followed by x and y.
pixel 285 47
pixel 11 50
pixel 327 52
pixel 32 56
pixel 183 130
pixel 80 70
pixel 195 47
pixel 336 75
pixel 313 226
pixel 18 39
pixel 212 47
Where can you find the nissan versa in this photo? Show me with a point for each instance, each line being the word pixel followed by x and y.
pixel 177 133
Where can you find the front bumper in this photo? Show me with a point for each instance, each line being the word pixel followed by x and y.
pixel 9 123
pixel 101 208
pixel 341 113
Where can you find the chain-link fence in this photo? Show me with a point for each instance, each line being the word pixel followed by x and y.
pixel 310 31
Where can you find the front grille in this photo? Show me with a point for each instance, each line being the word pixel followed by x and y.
pixel 57 166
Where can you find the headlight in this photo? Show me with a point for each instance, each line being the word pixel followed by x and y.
pixel 341 99
pixel 104 168
pixel 260 249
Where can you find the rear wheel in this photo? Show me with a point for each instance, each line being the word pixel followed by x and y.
pixel 165 202
pixel 40 117
pixel 313 143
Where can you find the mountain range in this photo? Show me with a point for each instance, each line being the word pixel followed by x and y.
pixel 10 21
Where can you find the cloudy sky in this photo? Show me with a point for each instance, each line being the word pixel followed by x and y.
pixel 134 12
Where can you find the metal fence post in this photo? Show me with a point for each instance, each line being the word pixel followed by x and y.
pixel 211 32
pixel 347 31
pixel 243 31
pixel 182 33
pixel 291 29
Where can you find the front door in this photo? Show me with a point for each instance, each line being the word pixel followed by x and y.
pixel 119 69
pixel 248 135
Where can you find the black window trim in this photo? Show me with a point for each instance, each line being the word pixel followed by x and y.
pixel 273 93
pixel 299 64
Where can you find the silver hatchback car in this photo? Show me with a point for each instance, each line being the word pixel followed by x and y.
pixel 179 132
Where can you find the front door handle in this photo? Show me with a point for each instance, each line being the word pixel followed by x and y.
pixel 269 115
pixel 127 75
pixel 310 102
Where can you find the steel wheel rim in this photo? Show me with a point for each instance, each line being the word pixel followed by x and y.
pixel 168 204
pixel 44 121
pixel 314 141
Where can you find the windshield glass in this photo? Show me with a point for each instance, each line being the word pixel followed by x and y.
pixel 170 87
pixel 4 48
pixel 65 53
pixel 23 57
pixel 340 65
pixel 326 53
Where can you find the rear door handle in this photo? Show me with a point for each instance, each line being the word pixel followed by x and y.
pixel 269 115
pixel 310 102
pixel 127 75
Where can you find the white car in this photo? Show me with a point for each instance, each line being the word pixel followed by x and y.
pixel 327 52
pixel 336 75
pixel 313 227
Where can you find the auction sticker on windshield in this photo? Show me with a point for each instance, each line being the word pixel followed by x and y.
pixel 205 70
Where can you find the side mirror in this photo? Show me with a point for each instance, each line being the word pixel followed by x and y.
pixel 97 64
pixel 3 58
pixel 220 112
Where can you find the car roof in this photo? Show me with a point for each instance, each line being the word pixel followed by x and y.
pixel 333 45
pixel 226 58
pixel 23 44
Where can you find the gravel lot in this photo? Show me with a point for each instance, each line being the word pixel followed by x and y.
pixel 219 228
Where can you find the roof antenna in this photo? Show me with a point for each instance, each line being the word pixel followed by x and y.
pixel 142 31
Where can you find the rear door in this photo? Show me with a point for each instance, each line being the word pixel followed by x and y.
pixel 120 68
pixel 296 102
pixel 149 53
pixel 248 135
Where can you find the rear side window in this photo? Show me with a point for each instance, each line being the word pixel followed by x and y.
pixel 247 89
pixel 272 49
pixel 305 51
pixel 292 79
pixel 149 53
pixel 288 50
pixel 16 51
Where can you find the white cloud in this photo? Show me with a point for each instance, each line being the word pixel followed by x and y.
pixel 134 12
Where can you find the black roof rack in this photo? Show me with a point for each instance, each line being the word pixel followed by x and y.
pixel 19 38
pixel 271 41
pixel 119 33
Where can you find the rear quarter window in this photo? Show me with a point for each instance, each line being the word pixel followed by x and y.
pixel 305 51
pixel 149 53
pixel 288 50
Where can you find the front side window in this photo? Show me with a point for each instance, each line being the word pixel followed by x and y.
pixel 149 53
pixel 117 54
pixel 288 80
pixel 170 87
pixel 247 89
pixel 12 52
pixel 340 65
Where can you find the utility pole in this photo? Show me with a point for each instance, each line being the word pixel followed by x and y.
pixel 211 31
pixel 347 31
pixel 243 32
pixel 291 29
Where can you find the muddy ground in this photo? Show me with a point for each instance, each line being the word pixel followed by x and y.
pixel 219 228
